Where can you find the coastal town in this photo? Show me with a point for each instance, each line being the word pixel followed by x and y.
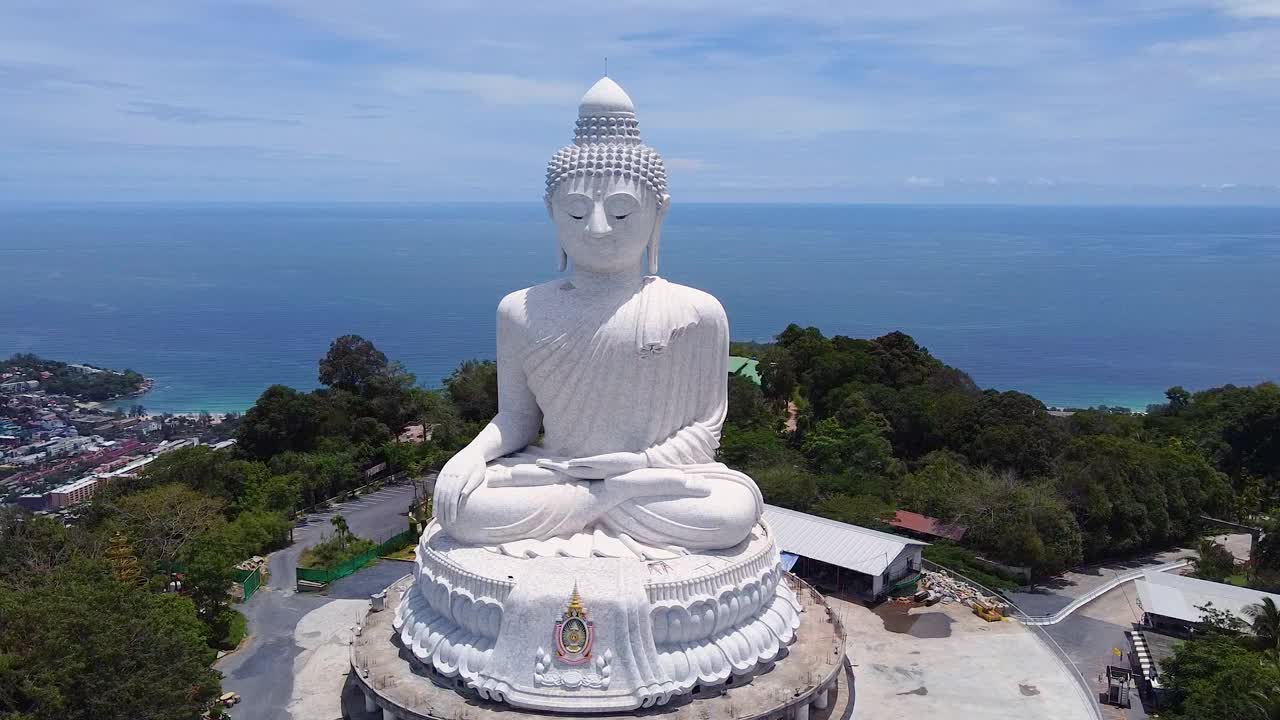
pixel 61 439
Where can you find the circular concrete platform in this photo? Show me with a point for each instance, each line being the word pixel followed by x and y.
pixel 813 680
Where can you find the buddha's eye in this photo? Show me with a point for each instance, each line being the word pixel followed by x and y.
pixel 577 206
pixel 621 204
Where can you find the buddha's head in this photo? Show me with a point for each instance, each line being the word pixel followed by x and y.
pixel 607 192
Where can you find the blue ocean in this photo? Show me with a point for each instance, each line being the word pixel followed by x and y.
pixel 1078 306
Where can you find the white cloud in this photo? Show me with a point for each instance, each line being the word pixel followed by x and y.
pixel 494 88
pixel 1251 8
pixel 783 95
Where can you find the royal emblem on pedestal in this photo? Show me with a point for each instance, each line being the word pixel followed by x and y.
pixel 574 633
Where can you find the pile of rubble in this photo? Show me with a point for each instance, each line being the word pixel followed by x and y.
pixel 942 587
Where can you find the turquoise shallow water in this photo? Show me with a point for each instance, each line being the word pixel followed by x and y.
pixel 1078 306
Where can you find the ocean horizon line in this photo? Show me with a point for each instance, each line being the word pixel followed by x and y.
pixel 43 205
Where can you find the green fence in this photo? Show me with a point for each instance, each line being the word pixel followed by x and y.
pixel 249 580
pixel 325 576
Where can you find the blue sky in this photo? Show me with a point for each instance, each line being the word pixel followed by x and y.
pixel 405 100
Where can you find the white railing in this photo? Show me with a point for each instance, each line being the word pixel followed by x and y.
pixel 1098 592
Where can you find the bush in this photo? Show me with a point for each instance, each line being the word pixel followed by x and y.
pixel 334 551
pixel 959 560
pixel 229 629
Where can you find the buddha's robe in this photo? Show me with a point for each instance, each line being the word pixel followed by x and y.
pixel 646 373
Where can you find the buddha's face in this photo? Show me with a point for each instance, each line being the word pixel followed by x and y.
pixel 604 223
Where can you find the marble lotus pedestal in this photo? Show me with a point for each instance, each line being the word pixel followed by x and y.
pixel 596 634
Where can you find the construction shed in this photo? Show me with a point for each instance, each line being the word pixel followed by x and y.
pixel 842 558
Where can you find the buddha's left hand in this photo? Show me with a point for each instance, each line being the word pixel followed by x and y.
pixel 598 467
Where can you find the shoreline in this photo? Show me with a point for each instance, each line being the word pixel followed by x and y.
pixel 233 407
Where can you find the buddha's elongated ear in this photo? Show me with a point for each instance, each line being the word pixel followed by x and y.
pixel 655 238
pixel 564 260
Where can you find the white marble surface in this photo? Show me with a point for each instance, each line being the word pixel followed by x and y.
pixel 624 371
pixel 660 627
pixel 624 374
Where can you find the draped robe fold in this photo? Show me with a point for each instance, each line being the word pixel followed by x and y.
pixel 648 374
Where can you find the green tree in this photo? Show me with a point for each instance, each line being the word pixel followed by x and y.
pixel 1014 431
pixel 324 474
pixel 162 521
pixel 351 364
pixel 1213 561
pixel 1265 622
pixel 787 485
pixel 209 571
pixel 861 450
pixel 341 529
pixel 1130 495
pixel 747 408
pixel 1212 678
pixel 861 509
pixel 943 486
pixel 32 545
pixel 777 374
pixel 1179 399
pixel 749 448
pixel 77 645
pixel 473 389
pixel 278 493
pixel 199 468
pixel 257 532
pixel 803 344
pixel 1266 703
pixel 282 420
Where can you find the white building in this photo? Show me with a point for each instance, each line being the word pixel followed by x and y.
pixel 1174 602
pixel 72 493
pixel 837 555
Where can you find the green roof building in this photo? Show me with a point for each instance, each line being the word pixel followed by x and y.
pixel 746 367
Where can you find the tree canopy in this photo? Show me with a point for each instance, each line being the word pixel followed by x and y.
pixel 883 421
pixel 351 364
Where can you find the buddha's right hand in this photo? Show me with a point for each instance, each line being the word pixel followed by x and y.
pixel 458 478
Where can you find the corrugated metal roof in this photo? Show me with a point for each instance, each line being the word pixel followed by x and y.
pixel 928 525
pixel 848 546
pixel 1180 597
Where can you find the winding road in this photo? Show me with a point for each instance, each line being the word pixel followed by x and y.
pixel 262 669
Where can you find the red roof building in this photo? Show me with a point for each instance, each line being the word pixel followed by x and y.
pixel 925 525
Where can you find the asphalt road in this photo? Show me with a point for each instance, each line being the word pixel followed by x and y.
pixel 261 671
pixel 1090 634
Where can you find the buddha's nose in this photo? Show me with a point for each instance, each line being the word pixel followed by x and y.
pixel 598 226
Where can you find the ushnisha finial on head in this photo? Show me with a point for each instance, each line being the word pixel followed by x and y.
pixel 607 149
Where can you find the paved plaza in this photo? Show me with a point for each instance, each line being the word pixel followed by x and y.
pixel 944 662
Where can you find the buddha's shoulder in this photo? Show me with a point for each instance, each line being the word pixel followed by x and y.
pixel 704 304
pixel 524 296
pixel 515 306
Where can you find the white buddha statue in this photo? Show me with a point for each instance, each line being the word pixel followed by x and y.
pixel 626 372
pixel 613 563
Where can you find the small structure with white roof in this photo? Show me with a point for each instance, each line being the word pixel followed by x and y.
pixel 1174 602
pixel 867 563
